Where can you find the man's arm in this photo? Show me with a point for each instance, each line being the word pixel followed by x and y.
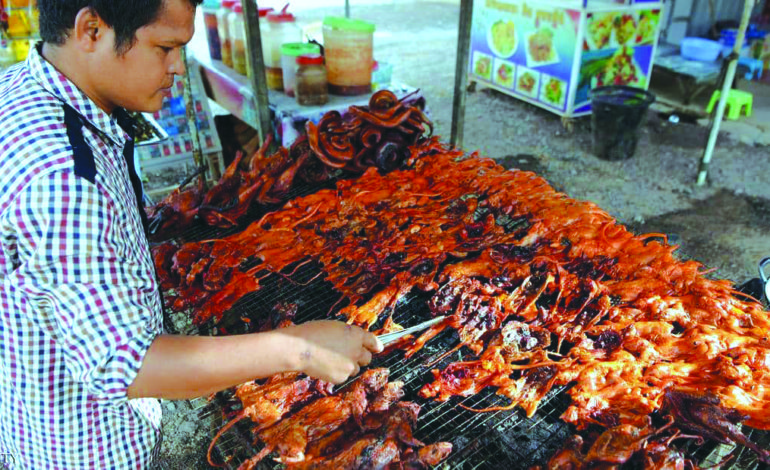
pixel 183 367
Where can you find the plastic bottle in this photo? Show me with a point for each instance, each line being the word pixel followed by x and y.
pixel 289 53
pixel 312 88
pixel 238 34
pixel 264 29
pixel 348 50
pixel 210 9
pixel 224 31
pixel 283 29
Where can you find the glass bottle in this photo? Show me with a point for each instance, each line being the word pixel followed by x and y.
pixel 312 86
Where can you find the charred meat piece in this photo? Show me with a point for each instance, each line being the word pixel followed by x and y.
pixel 703 415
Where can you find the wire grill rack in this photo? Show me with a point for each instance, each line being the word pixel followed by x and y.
pixel 492 440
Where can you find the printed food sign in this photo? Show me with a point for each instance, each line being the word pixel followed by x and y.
pixel 617 50
pixel 525 48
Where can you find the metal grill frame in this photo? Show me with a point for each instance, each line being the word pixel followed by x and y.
pixel 493 440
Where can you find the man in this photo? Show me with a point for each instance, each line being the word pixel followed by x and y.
pixel 82 357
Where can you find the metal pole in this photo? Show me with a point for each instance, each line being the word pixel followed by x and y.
pixel 192 121
pixel 256 68
pixel 726 86
pixel 347 8
pixel 461 72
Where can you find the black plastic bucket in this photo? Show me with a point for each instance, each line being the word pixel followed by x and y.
pixel 618 112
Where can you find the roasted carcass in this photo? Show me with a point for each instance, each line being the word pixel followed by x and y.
pixel 362 427
pixel 543 291
pixel 377 135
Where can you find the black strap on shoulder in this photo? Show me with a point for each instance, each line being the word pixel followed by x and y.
pixel 129 127
pixel 85 166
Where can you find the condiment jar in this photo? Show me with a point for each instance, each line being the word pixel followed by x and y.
pixel 283 28
pixel 289 53
pixel 348 51
pixel 237 32
pixel 210 9
pixel 312 87
pixel 264 28
pixel 224 31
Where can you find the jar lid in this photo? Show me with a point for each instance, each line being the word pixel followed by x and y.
pixel 229 4
pixel 310 59
pixel 263 12
pixel 282 16
pixel 296 49
pixel 237 8
pixel 339 22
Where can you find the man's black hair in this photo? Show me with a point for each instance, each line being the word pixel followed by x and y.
pixel 57 18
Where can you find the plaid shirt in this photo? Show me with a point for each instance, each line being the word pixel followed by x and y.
pixel 80 303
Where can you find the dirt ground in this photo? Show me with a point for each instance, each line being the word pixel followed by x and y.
pixel 724 224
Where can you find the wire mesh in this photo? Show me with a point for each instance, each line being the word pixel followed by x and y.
pixel 490 440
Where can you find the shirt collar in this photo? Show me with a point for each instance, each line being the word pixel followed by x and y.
pixel 63 89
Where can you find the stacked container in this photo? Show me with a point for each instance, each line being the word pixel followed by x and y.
pixel 312 86
pixel 290 51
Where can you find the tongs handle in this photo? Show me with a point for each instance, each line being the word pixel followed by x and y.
pixel 396 335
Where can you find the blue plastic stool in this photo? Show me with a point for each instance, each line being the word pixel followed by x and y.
pixel 755 66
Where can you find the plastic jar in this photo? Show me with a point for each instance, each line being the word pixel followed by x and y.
pixel 224 31
pixel 237 32
pixel 210 9
pixel 312 86
pixel 264 28
pixel 348 50
pixel 282 29
pixel 289 53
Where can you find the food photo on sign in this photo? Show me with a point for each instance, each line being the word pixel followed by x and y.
pixel 625 65
pixel 515 45
pixel 528 82
pixel 505 73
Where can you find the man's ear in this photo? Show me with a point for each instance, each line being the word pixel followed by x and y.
pixel 88 30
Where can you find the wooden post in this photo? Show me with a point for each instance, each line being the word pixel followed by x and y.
pixel 256 68
pixel 461 72
pixel 192 120
pixel 726 86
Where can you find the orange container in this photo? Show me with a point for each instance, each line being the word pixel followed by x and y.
pixel 19 24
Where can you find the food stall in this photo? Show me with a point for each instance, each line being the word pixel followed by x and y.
pixel 551 53
pixel 450 233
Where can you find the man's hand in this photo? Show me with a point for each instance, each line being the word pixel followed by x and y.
pixel 332 350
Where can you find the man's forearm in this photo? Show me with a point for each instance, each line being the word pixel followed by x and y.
pixel 184 367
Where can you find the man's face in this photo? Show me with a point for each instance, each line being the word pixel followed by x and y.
pixel 137 79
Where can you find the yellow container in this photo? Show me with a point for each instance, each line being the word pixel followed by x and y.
pixel 20 48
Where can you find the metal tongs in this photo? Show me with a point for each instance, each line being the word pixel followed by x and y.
pixel 389 338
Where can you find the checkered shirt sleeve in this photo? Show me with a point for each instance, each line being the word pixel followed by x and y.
pixel 82 279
